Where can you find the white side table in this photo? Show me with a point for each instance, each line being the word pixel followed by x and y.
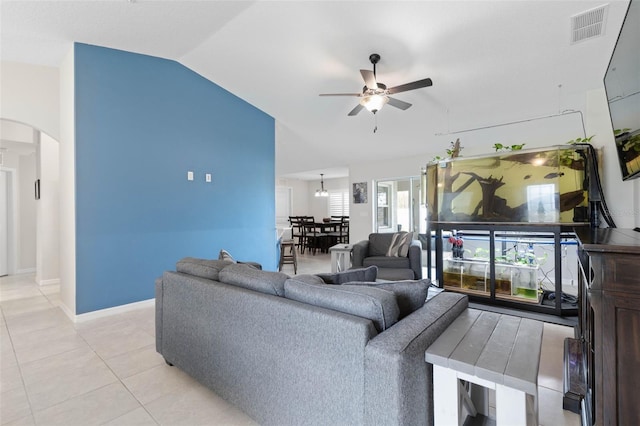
pixel 340 257
pixel 494 351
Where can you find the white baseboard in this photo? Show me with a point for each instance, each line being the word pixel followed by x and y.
pixel 112 311
pixel 25 271
pixel 53 281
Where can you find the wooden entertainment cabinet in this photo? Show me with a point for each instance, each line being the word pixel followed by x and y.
pixel 608 337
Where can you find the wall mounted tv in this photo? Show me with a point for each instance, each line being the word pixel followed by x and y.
pixel 622 84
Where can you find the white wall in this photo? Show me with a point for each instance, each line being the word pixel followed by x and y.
pixel 304 201
pixel 623 197
pixel 319 206
pixel 30 95
pixel 67 176
pixel 48 207
pixel 299 195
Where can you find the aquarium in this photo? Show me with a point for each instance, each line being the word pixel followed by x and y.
pixel 527 186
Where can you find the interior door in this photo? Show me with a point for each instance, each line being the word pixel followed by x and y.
pixel 4 223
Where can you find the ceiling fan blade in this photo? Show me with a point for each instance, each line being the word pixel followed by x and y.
pixel 369 79
pixel 410 86
pixel 356 110
pixel 398 103
pixel 340 94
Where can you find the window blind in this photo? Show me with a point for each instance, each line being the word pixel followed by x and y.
pixel 339 202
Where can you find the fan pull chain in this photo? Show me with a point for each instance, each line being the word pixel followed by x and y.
pixel 375 118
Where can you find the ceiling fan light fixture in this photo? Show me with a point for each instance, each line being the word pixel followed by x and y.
pixel 374 103
pixel 322 192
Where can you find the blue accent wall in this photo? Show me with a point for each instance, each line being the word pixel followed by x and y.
pixel 142 122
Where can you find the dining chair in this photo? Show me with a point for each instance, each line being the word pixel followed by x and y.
pixel 341 235
pixel 297 231
pixel 313 235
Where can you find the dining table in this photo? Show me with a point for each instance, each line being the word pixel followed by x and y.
pixel 317 237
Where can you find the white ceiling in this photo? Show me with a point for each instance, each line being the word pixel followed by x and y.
pixel 490 61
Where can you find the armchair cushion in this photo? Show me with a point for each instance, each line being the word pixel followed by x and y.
pixel 379 244
pixel 387 262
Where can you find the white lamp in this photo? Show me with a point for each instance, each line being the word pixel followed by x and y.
pixel 321 192
pixel 373 103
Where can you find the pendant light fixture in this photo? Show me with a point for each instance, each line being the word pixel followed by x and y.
pixel 321 192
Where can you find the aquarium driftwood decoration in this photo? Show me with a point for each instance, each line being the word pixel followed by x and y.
pixel 489 187
pixel 449 194
pixel 570 200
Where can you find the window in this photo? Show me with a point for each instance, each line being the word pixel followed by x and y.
pixel 541 203
pixel 383 206
pixel 339 202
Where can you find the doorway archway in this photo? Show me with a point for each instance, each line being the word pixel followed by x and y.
pixel 30 166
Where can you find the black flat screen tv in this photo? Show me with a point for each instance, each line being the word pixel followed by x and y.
pixel 622 85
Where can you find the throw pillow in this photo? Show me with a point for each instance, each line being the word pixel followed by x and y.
pixel 400 243
pixel 358 274
pixel 378 305
pixel 410 294
pixel 224 255
pixel 203 268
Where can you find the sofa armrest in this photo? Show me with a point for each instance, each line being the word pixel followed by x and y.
pixel 359 252
pixel 415 258
pixel 159 302
pixel 398 382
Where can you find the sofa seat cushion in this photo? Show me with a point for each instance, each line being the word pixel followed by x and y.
pixel 357 274
pixel 254 279
pixel 376 304
pixel 203 268
pixel 410 294
pixel 387 262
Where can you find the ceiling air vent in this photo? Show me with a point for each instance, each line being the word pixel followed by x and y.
pixel 588 24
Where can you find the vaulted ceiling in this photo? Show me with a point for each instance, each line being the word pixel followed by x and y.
pixel 490 62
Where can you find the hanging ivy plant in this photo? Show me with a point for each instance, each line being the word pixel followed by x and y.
pixel 502 148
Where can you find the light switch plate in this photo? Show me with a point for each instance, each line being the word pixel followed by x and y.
pixel 207 177
pixel 189 175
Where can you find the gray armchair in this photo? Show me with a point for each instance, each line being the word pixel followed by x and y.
pixel 374 252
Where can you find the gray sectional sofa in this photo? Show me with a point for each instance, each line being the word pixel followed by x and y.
pixel 298 351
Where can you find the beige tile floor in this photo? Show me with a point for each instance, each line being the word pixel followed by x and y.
pixel 106 371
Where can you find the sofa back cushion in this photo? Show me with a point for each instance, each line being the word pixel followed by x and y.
pixel 358 274
pixel 254 279
pixel 203 268
pixel 378 305
pixel 410 294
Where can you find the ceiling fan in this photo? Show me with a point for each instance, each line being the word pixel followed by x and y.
pixel 375 94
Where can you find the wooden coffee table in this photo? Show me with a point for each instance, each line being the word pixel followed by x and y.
pixel 493 351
